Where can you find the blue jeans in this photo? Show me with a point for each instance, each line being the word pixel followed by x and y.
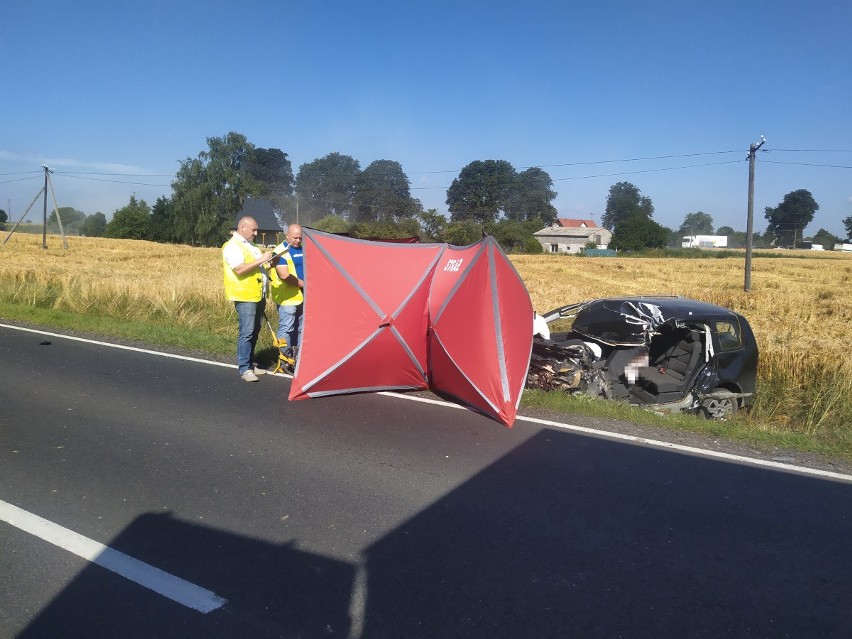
pixel 250 316
pixel 290 324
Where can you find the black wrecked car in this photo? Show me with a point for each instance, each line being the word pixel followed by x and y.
pixel 669 354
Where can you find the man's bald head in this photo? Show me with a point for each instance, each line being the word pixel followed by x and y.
pixel 294 235
pixel 247 227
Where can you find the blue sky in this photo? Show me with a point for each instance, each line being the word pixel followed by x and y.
pixel 576 88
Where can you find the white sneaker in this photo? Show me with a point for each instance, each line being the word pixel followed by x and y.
pixel 258 370
pixel 249 376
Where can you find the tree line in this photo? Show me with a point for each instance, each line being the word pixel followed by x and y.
pixel 335 194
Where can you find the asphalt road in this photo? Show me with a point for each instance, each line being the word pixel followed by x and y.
pixel 374 516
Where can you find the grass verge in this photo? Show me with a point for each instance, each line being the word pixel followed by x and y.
pixel 742 428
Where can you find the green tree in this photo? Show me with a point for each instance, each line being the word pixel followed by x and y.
pixel 463 232
pixel 532 196
pixel 638 232
pixel 789 219
pixel 332 224
pixel 534 247
pixel 828 240
pixel 481 191
pixel 327 186
pixel 94 225
pixel 132 222
pixel 193 199
pixel 383 193
pixel 847 222
pixel 624 201
pixel 163 221
pixel 72 220
pixel 737 239
pixel 512 235
pixel 272 170
pixel 209 190
pixel 433 225
pixel 386 230
pixel 725 230
pixel 3 219
pixel 698 223
pixel 767 240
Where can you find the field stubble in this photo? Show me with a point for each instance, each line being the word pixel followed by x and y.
pixel 799 307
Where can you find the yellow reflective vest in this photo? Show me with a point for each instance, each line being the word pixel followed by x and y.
pixel 283 293
pixel 242 288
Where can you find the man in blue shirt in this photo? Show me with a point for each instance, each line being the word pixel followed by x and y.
pixel 290 317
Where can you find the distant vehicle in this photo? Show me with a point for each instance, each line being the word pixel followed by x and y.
pixel 705 241
pixel 669 354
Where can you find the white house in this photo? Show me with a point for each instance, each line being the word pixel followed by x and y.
pixel 572 236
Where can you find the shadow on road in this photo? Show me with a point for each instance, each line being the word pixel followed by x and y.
pixel 565 536
pixel 272 590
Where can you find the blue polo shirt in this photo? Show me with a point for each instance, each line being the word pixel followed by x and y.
pixel 298 255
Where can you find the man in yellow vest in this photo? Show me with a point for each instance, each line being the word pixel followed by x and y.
pixel 245 286
pixel 289 294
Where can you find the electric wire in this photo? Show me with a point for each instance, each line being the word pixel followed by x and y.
pixel 104 175
pixel 592 162
pixel 827 166
pixel 92 179
pixel 811 150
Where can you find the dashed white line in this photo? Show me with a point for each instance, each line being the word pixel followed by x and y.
pixel 161 582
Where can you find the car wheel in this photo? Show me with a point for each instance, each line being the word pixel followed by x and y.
pixel 721 405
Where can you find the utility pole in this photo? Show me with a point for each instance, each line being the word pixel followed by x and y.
pixel 752 152
pixel 44 218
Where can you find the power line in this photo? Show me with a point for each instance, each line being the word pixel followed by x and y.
pixel 642 159
pixel 82 177
pixel 592 162
pixel 810 150
pixel 667 168
pixel 116 174
pixel 827 166
pixel 86 175
pixel 622 173
pixel 23 179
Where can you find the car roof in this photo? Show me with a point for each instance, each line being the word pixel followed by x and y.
pixel 672 307
pixel 627 320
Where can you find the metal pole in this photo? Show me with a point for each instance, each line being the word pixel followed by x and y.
pixel 44 216
pixel 752 152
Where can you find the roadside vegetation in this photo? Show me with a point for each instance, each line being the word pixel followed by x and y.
pixel 799 308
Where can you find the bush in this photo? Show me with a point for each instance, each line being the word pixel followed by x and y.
pixel 533 246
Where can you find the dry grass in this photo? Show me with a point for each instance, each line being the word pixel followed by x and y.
pixel 125 279
pixel 800 307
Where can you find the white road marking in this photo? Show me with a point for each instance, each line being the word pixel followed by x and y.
pixel 691 450
pixel 120 346
pixel 161 582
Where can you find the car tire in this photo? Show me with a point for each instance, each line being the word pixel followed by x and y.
pixel 720 405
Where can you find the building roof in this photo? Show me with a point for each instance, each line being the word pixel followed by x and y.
pixel 572 223
pixel 576 232
pixel 264 213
